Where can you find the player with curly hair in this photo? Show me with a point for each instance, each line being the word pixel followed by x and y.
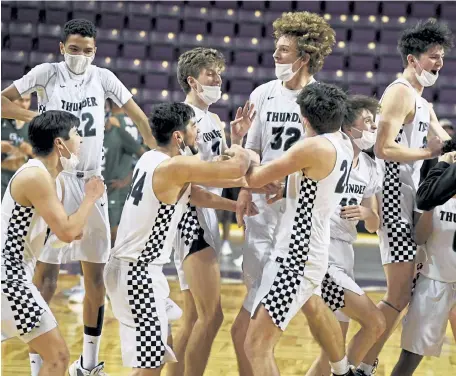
pixel 302 41
pixel 408 133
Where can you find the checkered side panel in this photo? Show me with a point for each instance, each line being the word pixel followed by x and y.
pixel 27 312
pixel 150 350
pixel 391 205
pixel 418 273
pixel 280 296
pixel 302 226
pixel 400 242
pixel 332 293
pixel 189 225
pixel 154 246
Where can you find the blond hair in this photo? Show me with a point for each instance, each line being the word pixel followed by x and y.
pixel 314 36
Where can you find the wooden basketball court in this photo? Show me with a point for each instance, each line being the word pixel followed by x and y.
pixel 295 352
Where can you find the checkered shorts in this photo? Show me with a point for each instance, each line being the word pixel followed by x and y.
pixel 332 293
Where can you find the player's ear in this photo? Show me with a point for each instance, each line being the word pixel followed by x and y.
pixel 62 48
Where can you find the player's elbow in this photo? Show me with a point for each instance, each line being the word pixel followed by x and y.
pixel 381 150
pixel 66 234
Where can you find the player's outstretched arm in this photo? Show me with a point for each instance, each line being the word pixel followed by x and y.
pixel 183 169
pixel 11 110
pixel 298 157
pixel 203 198
pixel 398 102
pixel 44 198
pixel 435 129
pixel 140 119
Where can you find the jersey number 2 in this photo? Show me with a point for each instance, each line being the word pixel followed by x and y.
pixel 136 190
pixel 340 187
pixel 89 130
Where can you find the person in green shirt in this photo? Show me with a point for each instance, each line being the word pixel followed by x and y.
pixel 119 149
pixel 15 148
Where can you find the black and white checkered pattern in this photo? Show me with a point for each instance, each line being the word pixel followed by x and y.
pixel 391 205
pixel 27 312
pixel 283 291
pixel 332 293
pixel 400 240
pixel 189 225
pixel 150 350
pixel 154 246
pixel 418 273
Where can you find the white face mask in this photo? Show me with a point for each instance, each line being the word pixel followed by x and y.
pixel 426 78
pixel 187 151
pixel 366 141
pixel 78 64
pixel 210 94
pixel 284 72
pixel 69 164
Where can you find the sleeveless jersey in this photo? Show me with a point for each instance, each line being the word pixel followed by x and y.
pixel 82 95
pixel 277 125
pixel 210 140
pixel 400 180
pixel 23 235
pixel 364 182
pixel 303 232
pixel 148 226
pixel 440 255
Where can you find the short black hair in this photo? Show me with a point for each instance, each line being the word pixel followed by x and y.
pixel 45 128
pixel 166 118
pixel 324 106
pixel 79 26
pixel 423 36
pixel 355 106
pixel 449 145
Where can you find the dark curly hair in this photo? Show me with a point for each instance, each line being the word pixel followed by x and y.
pixel 324 106
pixel 192 62
pixel 423 36
pixel 166 118
pixel 79 26
pixel 355 106
pixel 449 145
pixel 313 34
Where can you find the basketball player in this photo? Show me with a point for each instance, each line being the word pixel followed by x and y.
pixel 80 88
pixel 155 205
pixel 318 168
pixel 15 148
pixel 303 40
pixel 26 215
pixel 405 122
pixel 198 241
pixel 433 302
pixel 339 289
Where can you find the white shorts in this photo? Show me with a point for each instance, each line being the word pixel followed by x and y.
pixel 332 289
pixel 96 241
pixel 424 325
pixel 283 293
pixel 25 314
pixel 197 230
pixel 138 295
pixel 258 245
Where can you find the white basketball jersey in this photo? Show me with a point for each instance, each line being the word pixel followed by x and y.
pixel 439 261
pixel 303 232
pixel 82 95
pixel 23 234
pixel 364 182
pixel 210 139
pixel 277 125
pixel 404 177
pixel 148 226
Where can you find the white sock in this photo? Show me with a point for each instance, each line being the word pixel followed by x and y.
pixel 366 368
pixel 35 363
pixel 341 367
pixel 90 350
